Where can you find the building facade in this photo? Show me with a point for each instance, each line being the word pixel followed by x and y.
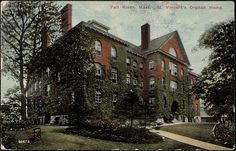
pixel 158 69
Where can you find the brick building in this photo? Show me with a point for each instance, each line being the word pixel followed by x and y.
pixel 158 68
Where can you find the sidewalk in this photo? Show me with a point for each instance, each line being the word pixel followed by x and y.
pixel 190 141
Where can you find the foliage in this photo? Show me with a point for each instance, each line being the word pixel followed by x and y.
pixel 217 81
pixel 22 23
pixel 130 107
pixel 122 134
pixel 224 132
pixel 70 60
pixel 9 141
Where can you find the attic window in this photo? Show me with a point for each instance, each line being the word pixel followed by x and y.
pixel 172 52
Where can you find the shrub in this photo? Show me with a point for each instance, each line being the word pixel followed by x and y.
pixel 104 130
pixel 9 141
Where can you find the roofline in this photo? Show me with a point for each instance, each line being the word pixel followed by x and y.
pixel 172 57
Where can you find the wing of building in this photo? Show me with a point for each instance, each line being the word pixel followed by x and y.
pixel 159 69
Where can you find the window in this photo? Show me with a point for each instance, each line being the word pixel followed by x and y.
pixel 58 76
pixel 183 88
pixel 128 61
pixel 183 104
pixel 98 47
pixel 73 96
pixel 173 86
pixel 172 52
pixel 163 82
pixel 141 66
pixel 182 72
pixel 127 78
pixel 165 102
pixel 114 75
pixel 135 64
pixel 135 81
pixel 151 65
pixel 113 53
pixel 162 65
pixel 48 71
pixel 114 97
pixel 40 84
pixel 173 69
pixel 98 97
pixel 151 100
pixel 152 82
pixel 48 90
pixel 36 86
pixel 98 69
pixel 141 83
pixel 191 81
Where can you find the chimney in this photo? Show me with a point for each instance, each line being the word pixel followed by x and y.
pixel 145 36
pixel 66 14
pixel 45 38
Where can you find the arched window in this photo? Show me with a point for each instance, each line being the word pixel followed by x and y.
pixel 151 65
pixel 98 70
pixel 113 53
pixel 152 82
pixel 172 52
pixel 98 47
pixel 162 65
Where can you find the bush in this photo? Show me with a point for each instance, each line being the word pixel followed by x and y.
pixel 9 141
pixel 224 133
pixel 109 130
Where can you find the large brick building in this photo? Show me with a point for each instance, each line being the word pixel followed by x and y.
pixel 158 68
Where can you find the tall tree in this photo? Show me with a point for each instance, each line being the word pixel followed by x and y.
pixel 216 85
pixel 130 107
pixel 22 23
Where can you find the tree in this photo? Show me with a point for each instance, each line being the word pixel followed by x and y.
pixel 216 83
pixel 22 23
pixel 130 107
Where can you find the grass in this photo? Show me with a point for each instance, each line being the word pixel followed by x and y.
pixel 197 131
pixel 54 138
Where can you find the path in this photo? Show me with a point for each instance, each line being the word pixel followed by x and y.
pixel 190 141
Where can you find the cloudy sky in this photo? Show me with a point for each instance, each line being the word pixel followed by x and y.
pixel 190 19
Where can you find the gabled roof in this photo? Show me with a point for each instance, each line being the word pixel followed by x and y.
pixel 155 44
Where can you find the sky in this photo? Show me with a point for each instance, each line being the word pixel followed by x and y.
pixel 125 18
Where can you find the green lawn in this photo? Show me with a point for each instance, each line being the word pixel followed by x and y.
pixel 197 131
pixel 53 138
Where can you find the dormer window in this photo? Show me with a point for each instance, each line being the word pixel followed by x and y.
pixel 172 52
pixel 98 47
